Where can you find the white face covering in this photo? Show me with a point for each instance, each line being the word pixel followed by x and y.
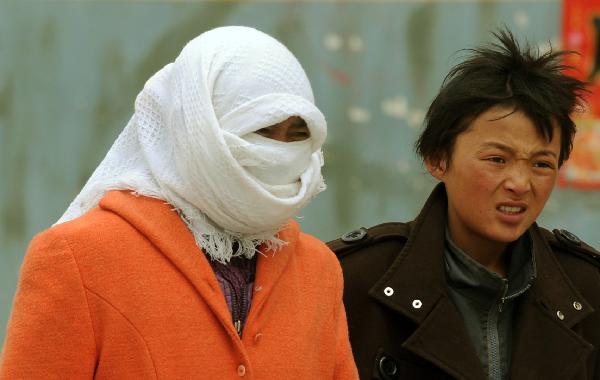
pixel 276 165
pixel 275 162
pixel 191 142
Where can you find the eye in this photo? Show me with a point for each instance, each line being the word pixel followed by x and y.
pixel 496 160
pixel 265 132
pixel 297 133
pixel 300 135
pixel 543 165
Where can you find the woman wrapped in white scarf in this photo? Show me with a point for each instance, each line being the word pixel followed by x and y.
pixel 153 271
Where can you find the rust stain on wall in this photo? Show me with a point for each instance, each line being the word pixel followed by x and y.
pixel 14 155
pixel 421 26
pixel 6 99
pixel 486 23
pixel 48 36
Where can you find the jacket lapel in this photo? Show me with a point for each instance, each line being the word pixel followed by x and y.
pixel 544 344
pixel 162 226
pixel 269 267
pixel 442 339
pixel 417 278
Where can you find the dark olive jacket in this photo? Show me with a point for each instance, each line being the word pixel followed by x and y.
pixel 403 324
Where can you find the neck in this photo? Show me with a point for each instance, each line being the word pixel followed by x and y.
pixel 489 254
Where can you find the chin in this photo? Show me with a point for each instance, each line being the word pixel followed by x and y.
pixel 507 236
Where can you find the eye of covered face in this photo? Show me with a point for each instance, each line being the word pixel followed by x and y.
pixel 292 129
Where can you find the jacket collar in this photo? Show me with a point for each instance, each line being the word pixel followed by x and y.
pixel 553 288
pixel 418 292
pixel 161 225
pixel 485 287
pixel 417 273
pixel 543 326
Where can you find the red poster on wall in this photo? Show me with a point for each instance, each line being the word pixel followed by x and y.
pixel 581 33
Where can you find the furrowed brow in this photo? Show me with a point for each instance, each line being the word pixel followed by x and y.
pixel 497 145
pixel 508 149
pixel 545 152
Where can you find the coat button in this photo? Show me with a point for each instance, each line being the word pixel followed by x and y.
pixel 567 236
pixel 257 288
pixel 354 236
pixel 387 367
pixel 241 370
pixel 577 306
pixel 388 291
pixel 257 338
pixel 417 304
pixel 560 315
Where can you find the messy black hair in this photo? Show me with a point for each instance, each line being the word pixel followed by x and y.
pixel 503 74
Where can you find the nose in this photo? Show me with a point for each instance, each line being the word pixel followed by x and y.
pixel 280 133
pixel 518 179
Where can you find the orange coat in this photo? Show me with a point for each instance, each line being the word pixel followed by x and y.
pixel 123 292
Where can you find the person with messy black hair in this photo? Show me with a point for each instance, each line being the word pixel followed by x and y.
pixel 473 288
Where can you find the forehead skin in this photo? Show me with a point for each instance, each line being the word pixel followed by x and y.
pixel 504 128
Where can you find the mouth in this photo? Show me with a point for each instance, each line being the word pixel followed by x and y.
pixel 511 209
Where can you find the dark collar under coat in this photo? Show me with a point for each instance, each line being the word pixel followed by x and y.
pixel 544 346
pixel 473 281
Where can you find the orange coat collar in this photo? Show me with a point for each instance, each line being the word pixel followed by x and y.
pixel 159 222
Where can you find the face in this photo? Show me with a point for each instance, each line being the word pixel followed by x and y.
pixel 292 129
pixel 500 176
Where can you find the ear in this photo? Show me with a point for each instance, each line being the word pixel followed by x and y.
pixel 437 170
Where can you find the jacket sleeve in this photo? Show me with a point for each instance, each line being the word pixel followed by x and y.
pixel 345 368
pixel 50 334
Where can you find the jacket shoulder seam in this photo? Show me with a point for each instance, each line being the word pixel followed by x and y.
pixel 107 302
pixel 369 236
pixel 84 287
pixel 580 250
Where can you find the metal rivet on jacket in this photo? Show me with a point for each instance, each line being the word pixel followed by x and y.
pixel 388 369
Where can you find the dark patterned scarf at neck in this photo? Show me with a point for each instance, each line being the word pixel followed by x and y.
pixel 236 280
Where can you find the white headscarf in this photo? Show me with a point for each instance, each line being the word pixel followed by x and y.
pixel 190 142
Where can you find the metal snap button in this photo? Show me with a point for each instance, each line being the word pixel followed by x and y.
pixel 387 367
pixel 388 291
pixel 354 236
pixel 241 370
pixel 257 288
pixel 577 306
pixel 560 315
pixel 257 337
pixel 417 304
pixel 571 237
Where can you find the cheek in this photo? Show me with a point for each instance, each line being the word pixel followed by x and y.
pixel 474 188
pixel 484 180
pixel 481 180
pixel 544 186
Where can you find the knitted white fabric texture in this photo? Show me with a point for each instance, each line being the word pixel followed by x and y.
pixel 225 84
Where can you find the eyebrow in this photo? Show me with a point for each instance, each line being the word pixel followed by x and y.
pixel 506 148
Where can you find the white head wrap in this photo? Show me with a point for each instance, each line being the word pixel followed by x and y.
pixel 190 142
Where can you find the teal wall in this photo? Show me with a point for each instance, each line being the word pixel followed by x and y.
pixel 70 71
